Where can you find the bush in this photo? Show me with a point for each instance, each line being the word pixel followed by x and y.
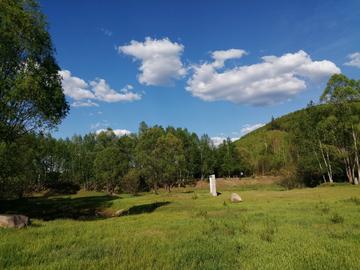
pixel 336 219
pixel 131 181
pixel 62 188
pixel 290 182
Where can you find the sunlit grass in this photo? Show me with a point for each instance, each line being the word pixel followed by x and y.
pixel 272 229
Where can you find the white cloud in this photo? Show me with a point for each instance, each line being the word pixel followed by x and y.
pixel 273 80
pixel 86 103
pixel 103 92
pixel 248 128
pixel 354 60
pixel 160 60
pixel 75 87
pixel 117 132
pixel 221 56
pixel 85 94
pixel 219 140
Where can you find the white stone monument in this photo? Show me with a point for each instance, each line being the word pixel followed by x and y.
pixel 212 181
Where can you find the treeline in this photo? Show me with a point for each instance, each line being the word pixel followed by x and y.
pixel 154 157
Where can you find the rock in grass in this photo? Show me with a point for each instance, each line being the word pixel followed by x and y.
pixel 14 221
pixel 235 198
pixel 120 213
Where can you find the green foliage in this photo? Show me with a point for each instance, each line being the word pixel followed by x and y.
pixel 31 96
pixel 336 218
pixel 131 181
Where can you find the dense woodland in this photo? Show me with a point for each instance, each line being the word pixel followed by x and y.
pixel 317 144
pixel 153 158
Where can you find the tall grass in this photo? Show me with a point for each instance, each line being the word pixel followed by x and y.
pixel 271 229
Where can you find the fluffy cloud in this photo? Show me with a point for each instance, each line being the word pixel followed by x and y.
pixel 85 94
pixel 103 92
pixel 160 60
pixel 248 128
pixel 354 60
pixel 75 87
pixel 117 132
pixel 221 56
pixel 273 80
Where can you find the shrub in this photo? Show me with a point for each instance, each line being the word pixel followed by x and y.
pixel 62 188
pixel 131 181
pixel 336 218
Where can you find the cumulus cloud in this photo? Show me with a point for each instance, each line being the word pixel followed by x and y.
pixel 103 92
pixel 354 60
pixel 85 94
pixel 117 132
pixel 273 80
pixel 221 56
pixel 248 128
pixel 75 87
pixel 160 60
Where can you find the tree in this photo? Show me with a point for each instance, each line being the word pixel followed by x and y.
pixel 170 160
pixel 146 156
pixel 340 92
pixel 207 156
pixel 31 96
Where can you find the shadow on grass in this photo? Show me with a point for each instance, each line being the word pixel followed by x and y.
pixel 83 208
pixel 145 208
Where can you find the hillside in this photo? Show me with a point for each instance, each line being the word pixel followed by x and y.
pixel 268 148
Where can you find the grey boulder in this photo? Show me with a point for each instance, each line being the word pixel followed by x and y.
pixel 14 221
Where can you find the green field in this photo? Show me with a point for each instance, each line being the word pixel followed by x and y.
pixel 315 228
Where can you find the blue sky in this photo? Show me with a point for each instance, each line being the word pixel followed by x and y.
pixel 215 67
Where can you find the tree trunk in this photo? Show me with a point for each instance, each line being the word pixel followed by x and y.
pixel 326 162
pixel 320 166
pixel 356 157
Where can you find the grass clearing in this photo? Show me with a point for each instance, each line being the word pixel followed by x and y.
pixel 315 228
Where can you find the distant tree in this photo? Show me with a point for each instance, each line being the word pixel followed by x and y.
pixel 207 156
pixel 274 125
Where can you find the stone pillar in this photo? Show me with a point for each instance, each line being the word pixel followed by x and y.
pixel 212 181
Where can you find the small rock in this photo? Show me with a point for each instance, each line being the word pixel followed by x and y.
pixel 235 198
pixel 14 221
pixel 120 213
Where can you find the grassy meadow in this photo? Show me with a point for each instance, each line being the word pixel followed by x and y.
pixel 316 228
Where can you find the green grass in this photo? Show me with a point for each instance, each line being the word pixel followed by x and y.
pixel 188 229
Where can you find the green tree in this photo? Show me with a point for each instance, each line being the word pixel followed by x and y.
pixel 207 156
pixel 31 96
pixel 170 161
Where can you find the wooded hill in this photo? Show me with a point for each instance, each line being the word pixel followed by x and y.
pixel 318 143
